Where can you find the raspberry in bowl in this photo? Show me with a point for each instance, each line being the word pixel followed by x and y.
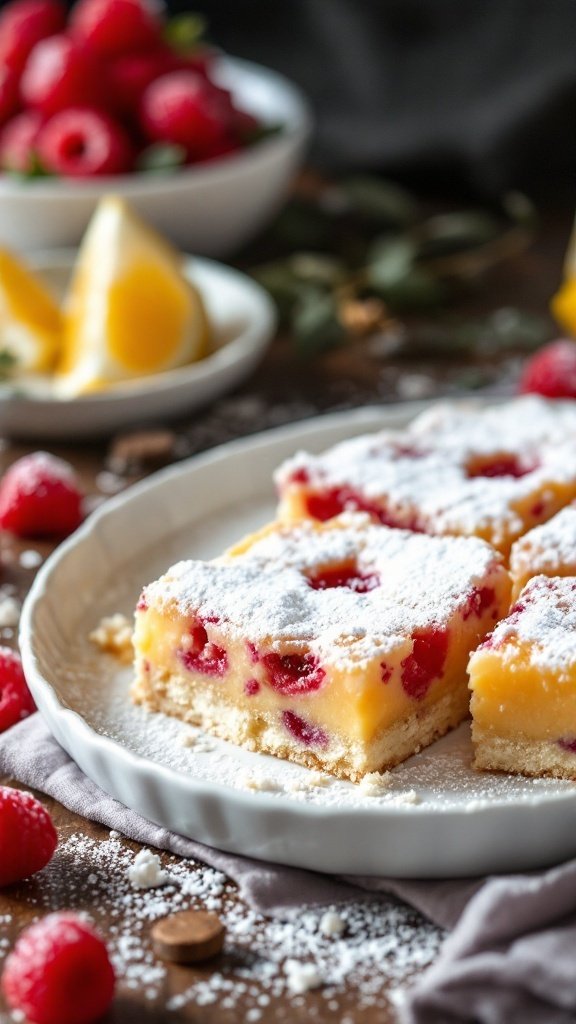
pixel 204 144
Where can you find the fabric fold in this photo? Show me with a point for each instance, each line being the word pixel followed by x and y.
pixel 509 957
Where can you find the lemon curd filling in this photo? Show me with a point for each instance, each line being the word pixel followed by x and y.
pixel 523 683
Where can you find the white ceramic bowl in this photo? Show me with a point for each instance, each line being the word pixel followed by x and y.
pixel 210 209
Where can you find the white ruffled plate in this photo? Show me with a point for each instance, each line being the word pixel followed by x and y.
pixel 438 819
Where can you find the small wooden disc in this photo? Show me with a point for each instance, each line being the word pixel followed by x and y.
pixel 188 937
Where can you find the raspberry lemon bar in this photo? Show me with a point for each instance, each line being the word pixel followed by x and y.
pixel 342 646
pixel 491 473
pixel 547 550
pixel 523 682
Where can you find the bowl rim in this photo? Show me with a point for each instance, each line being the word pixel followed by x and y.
pixel 253 339
pixel 296 128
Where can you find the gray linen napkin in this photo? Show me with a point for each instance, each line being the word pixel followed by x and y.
pixel 510 958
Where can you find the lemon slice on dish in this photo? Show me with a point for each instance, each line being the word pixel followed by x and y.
pixel 130 311
pixel 30 321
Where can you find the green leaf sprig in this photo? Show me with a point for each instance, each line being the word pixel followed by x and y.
pixel 367 239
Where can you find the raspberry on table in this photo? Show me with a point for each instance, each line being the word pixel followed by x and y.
pixel 113 27
pixel 16 701
pixel 40 497
pixel 551 371
pixel 27 836
pixel 23 23
pixel 59 972
pixel 184 108
pixel 84 143
pixel 18 141
pixel 60 74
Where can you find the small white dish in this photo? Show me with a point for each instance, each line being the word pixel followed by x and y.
pixel 243 320
pixel 438 819
pixel 210 209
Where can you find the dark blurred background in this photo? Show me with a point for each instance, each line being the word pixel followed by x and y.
pixel 476 96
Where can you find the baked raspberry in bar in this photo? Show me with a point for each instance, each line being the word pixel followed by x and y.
pixel 523 682
pixel 342 646
pixel 491 473
pixel 547 550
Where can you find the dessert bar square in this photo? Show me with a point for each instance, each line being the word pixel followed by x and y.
pixel 547 550
pixel 342 646
pixel 523 682
pixel 491 473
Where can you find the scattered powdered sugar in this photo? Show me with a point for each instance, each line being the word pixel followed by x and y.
pixel 332 924
pixel 259 783
pixel 301 977
pixel 265 592
pixel 360 947
pixel 199 741
pixel 30 559
pixel 146 871
pixel 9 611
pixel 375 783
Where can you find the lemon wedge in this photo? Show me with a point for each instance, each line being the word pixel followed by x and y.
pixel 30 321
pixel 130 311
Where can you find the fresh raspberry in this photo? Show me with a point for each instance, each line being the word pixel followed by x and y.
pixel 16 701
pixel 113 27
pixel 60 74
pixel 293 674
pixel 552 371
pixel 27 836
pixel 9 93
pixel 84 143
pixel 501 465
pixel 40 497
pixel 225 146
pixel 478 602
pixel 59 972
pixel 202 655
pixel 348 576
pixel 185 109
pixel 130 74
pixel 18 141
pixel 305 732
pixel 24 23
pixel 425 664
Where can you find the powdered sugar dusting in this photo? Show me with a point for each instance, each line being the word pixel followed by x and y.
pixel 358 948
pixel 547 547
pixel 426 476
pixel 544 620
pixel 265 593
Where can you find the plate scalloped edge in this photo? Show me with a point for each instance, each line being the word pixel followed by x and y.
pixel 405 840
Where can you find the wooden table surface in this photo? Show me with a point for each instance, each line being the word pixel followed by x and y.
pixel 282 390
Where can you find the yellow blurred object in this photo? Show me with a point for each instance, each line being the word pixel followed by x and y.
pixel 130 311
pixel 563 303
pixel 30 321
